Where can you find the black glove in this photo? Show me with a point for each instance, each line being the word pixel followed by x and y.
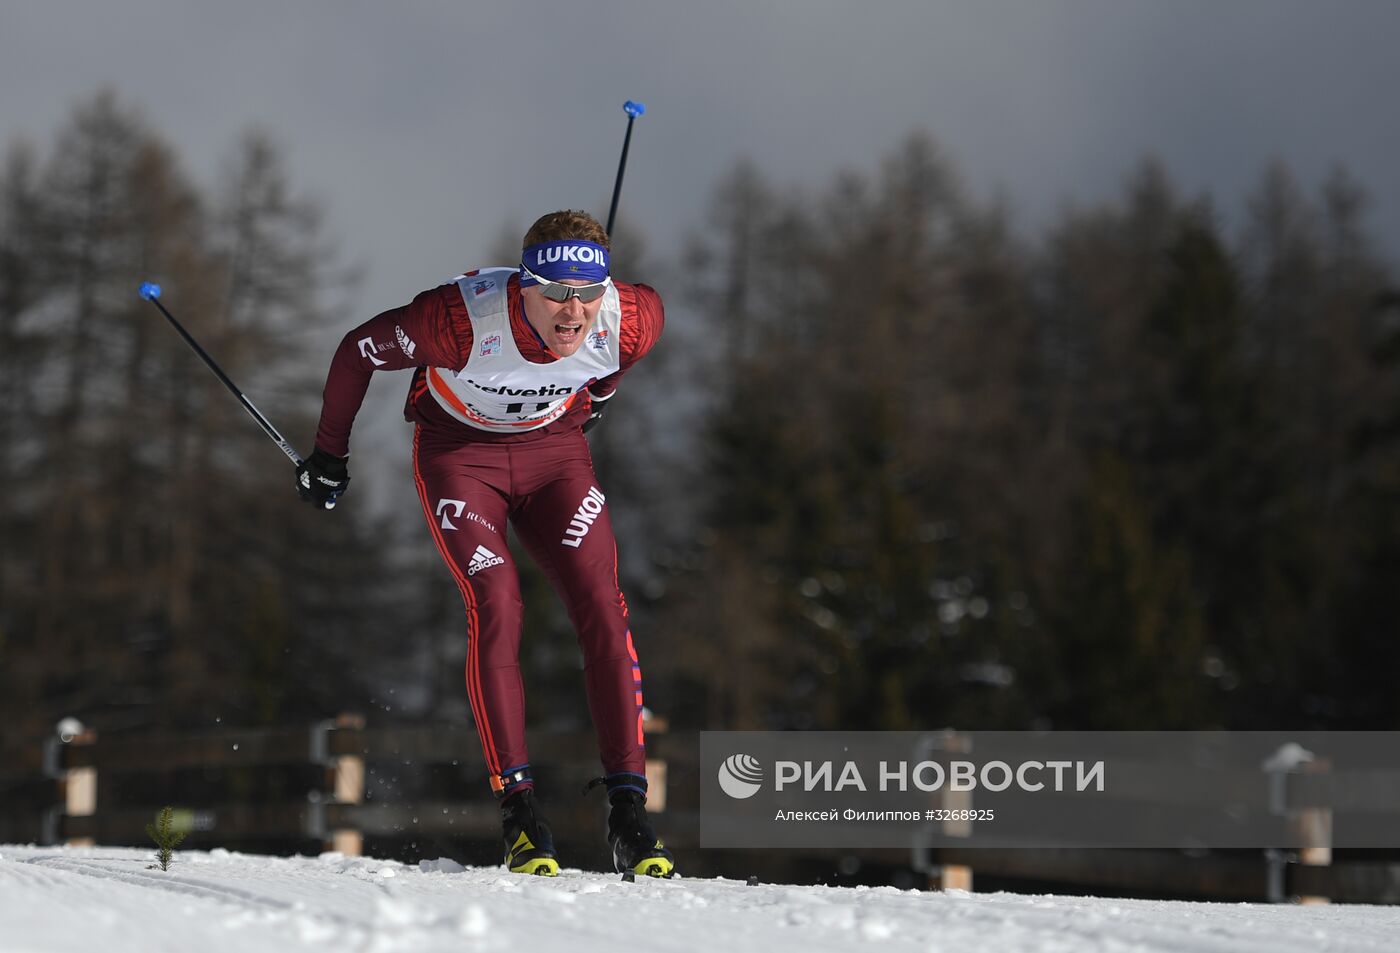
pixel 322 479
pixel 593 417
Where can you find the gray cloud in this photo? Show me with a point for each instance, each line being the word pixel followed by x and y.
pixel 424 126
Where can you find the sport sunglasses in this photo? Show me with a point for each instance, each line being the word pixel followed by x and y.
pixel 560 293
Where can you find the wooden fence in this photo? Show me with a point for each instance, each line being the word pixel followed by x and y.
pixel 105 789
pixel 326 798
pixel 1291 786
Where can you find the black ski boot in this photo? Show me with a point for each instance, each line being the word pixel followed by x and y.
pixel 529 844
pixel 635 847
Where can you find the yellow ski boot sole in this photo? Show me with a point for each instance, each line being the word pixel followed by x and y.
pixel 540 867
pixel 655 867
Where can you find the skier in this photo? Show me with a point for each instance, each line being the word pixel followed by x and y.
pixel 511 366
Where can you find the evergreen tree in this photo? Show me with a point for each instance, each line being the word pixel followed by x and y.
pixel 158 568
pixel 165 836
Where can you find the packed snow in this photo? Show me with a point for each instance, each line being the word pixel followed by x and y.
pixel 113 900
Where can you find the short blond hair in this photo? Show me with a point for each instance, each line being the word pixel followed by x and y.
pixel 557 226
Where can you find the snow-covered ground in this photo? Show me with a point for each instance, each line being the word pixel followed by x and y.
pixel 108 900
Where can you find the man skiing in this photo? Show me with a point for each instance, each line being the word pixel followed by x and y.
pixel 511 366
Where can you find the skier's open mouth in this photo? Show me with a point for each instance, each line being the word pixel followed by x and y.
pixel 567 333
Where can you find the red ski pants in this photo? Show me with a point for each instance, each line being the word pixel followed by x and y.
pixel 547 490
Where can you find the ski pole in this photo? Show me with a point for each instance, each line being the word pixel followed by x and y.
pixel 151 292
pixel 633 110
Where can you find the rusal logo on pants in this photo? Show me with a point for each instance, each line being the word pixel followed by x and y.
pixel 457 506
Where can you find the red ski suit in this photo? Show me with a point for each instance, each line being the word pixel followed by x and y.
pixel 472 481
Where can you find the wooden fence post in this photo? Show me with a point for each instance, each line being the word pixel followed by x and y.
pixel 955 876
pixel 345 779
pixel 348 786
pixel 1309 827
pixel 77 787
pixel 1313 828
pixel 655 767
pixel 946 876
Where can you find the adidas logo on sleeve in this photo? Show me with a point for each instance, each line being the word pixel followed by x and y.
pixel 483 558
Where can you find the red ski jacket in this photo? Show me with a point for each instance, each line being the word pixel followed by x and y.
pixel 434 331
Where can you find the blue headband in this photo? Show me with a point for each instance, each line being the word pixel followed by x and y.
pixel 563 260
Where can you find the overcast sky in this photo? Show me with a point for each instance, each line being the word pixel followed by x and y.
pixel 424 127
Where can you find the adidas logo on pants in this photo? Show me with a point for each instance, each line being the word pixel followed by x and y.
pixel 483 558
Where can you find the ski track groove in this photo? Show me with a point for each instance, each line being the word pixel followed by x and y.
pixel 361 933
pixel 176 883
